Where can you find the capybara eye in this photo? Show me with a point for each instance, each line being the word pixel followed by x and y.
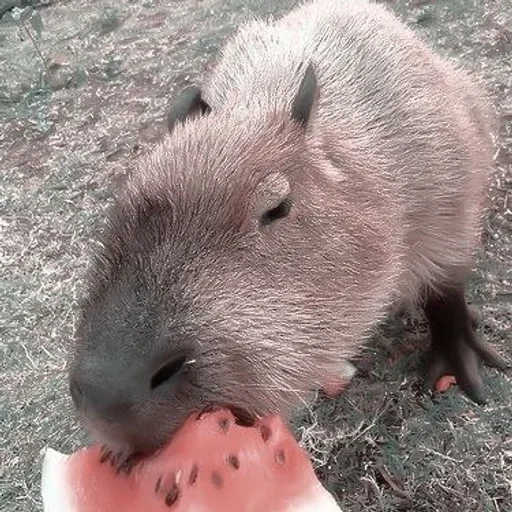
pixel 167 371
pixel 280 211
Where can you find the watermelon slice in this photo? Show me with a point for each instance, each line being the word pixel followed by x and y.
pixel 212 464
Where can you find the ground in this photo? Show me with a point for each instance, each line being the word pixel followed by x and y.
pixel 83 91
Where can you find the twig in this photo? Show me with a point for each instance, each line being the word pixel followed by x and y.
pixel 36 46
pixel 392 484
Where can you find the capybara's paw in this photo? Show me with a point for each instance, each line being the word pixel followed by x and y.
pixel 462 359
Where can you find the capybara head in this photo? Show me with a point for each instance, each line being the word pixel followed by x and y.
pixel 214 283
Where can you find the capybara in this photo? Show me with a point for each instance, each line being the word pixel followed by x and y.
pixel 331 165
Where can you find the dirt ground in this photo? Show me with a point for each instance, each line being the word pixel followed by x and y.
pixel 79 103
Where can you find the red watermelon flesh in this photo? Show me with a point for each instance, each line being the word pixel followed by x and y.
pixel 211 464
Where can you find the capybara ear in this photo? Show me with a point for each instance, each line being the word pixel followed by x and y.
pixel 188 103
pixel 305 98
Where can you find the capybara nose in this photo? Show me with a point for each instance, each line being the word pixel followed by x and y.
pixel 103 400
pixel 116 393
pixel 122 400
pixel 168 373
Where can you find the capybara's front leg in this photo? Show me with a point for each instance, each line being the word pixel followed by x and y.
pixel 457 348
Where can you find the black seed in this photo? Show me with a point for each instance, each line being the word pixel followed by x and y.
pixel 121 469
pixel 158 484
pixel 217 480
pixel 280 457
pixel 127 466
pixel 105 455
pixel 193 475
pixel 172 496
pixel 265 432
pixel 224 425
pixel 114 459
pixel 234 461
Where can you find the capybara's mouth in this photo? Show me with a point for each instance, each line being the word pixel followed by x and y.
pixel 124 460
pixel 243 417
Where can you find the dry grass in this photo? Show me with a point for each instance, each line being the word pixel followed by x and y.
pixel 67 138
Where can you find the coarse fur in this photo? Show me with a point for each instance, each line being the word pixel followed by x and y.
pixel 386 181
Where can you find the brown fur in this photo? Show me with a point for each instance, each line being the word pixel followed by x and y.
pixel 387 180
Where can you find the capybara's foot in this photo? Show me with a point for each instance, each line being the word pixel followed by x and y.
pixel 456 347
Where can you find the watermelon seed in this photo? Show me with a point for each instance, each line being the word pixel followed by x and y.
pixel 105 455
pixel 193 475
pixel 124 468
pixel 172 496
pixel 127 466
pixel 117 460
pixel 234 461
pixel 265 433
pixel 158 484
pixel 280 457
pixel 217 480
pixel 224 425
